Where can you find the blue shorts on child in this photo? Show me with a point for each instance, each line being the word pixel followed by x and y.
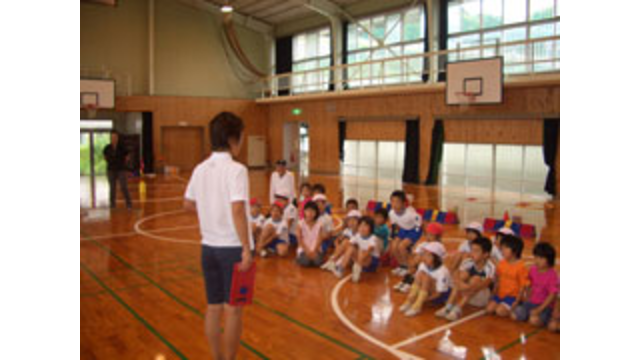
pixel 506 301
pixel 442 299
pixel 413 234
pixel 373 266
pixel 275 243
pixel 523 311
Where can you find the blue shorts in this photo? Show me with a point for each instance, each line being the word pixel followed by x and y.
pixel 293 240
pixel 523 310
pixel 442 299
pixel 373 266
pixel 217 268
pixel 413 235
pixel 507 300
pixel 274 244
pixel 329 243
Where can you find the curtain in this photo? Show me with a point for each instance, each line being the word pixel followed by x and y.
pixel 345 46
pixel 443 37
pixel 550 143
pixel 437 148
pixel 425 65
pixel 342 135
pixel 284 62
pixel 411 171
pixel 147 141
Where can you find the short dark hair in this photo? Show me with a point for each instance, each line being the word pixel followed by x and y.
pixel 369 221
pixel 399 194
pixel 484 243
pixel 313 206
pixel 223 128
pixel 382 212
pixel 514 243
pixel 353 201
pixel 319 188
pixel 281 162
pixel 547 251
pixel 306 185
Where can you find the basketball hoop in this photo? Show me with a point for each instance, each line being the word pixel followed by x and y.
pixel 91 111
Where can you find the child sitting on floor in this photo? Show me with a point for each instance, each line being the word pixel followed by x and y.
pixel 275 235
pixel 256 219
pixel 363 252
pixel 342 242
pixel 473 279
pixel 544 285
pixel 473 231
pixel 306 194
pixel 407 230
pixel 496 254
pixel 326 220
pixel 432 280
pixel 511 278
pixel 310 234
pixel 381 216
pixel 432 233
pixel 319 189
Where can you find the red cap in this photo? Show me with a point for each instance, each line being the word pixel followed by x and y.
pixel 435 228
pixel 254 202
pixel 279 204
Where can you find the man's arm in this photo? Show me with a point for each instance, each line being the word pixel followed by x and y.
pixel 239 214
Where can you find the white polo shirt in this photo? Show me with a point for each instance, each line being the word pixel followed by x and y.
pixel 214 185
pixel 409 219
pixel 364 244
pixel 280 227
pixel 282 185
pixel 441 276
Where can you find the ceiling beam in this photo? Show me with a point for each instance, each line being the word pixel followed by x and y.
pixel 240 19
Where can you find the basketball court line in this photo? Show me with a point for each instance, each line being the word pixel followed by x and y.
pixel 345 321
pixel 438 330
pixel 133 312
pixel 168 293
pixel 197 312
pixel 133 233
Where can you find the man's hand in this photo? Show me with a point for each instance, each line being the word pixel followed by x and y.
pixel 247 259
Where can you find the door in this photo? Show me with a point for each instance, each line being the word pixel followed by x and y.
pixel 291 145
pixel 183 146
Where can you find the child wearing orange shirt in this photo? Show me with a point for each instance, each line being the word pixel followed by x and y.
pixel 512 277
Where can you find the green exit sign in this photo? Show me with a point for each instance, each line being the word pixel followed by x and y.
pixel 296 111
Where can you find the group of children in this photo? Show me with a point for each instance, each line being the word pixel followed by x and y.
pixel 482 272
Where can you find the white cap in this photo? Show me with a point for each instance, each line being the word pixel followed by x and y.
pixel 319 197
pixel 354 214
pixel 475 226
pixel 433 247
pixel 506 231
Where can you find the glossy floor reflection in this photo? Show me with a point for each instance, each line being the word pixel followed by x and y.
pixel 142 291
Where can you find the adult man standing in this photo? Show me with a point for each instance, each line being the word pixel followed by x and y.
pixel 219 192
pixel 116 156
pixel 282 183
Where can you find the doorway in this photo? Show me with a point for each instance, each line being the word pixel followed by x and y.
pixel 295 147
pixel 94 187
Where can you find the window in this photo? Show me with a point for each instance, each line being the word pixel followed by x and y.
pixel 488 168
pixel 372 169
pixel 396 34
pixel 491 22
pixel 311 51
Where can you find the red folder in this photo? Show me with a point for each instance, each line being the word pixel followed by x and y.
pixel 242 286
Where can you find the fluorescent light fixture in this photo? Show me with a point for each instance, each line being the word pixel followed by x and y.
pixel 226 9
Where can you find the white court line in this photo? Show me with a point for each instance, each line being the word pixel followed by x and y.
pixel 437 330
pixel 151 235
pixel 336 308
pixel 132 233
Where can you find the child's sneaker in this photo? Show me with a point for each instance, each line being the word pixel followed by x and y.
pixel 395 271
pixel 405 307
pixel 329 265
pixel 397 286
pixel 263 253
pixel 338 272
pixel 402 272
pixel 405 288
pixel 412 312
pixel 442 313
pixel 454 314
pixel 356 272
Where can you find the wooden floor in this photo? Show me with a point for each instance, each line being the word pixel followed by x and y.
pixel 142 293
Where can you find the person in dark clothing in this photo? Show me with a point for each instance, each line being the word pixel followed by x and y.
pixel 116 156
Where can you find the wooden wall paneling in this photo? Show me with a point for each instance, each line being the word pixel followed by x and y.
pixel 183 146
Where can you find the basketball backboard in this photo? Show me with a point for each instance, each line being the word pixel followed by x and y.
pixel 475 82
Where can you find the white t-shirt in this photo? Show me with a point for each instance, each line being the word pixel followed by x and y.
pixel 214 185
pixel 488 271
pixel 366 244
pixel 441 276
pixel 348 233
pixel 327 223
pixel 281 228
pixel 291 212
pixel 258 220
pixel 409 219
pixel 282 185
